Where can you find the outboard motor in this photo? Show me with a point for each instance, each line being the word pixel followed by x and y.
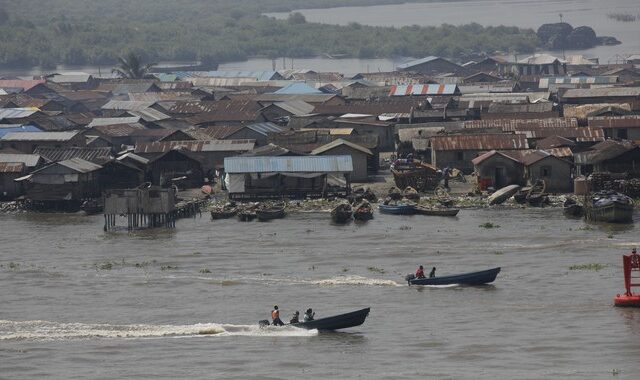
pixel 264 323
pixel 410 277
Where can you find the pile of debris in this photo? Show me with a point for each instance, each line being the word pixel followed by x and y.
pixel 11 208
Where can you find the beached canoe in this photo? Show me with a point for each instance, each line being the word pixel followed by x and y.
pixel 223 213
pixel 473 278
pixel 398 209
pixel 437 211
pixel 363 211
pixel 336 322
pixel 270 213
pixel 503 194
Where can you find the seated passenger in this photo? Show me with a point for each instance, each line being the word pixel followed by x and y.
pixel 308 316
pixel 420 272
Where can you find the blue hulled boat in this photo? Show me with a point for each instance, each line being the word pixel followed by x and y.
pixel 336 322
pixel 398 209
pixel 474 278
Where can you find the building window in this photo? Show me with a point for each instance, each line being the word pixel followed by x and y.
pixel 460 156
pixel 545 171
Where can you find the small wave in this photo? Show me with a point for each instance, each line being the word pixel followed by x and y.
pixel 44 330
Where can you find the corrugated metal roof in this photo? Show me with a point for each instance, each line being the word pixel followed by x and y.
pixel 546 81
pixel 603 151
pixel 582 134
pixel 539 59
pixel 336 143
pixel 602 92
pixel 296 107
pixel 264 128
pixel 10 128
pixel 70 78
pixel 101 154
pixel 128 105
pixel 39 136
pixel 301 164
pixel 98 121
pixel 298 89
pixel 483 157
pixel 80 165
pixel 423 89
pixel 149 114
pixel 219 82
pixel 508 125
pixel 520 108
pixel 118 130
pixel 16 113
pixel 196 146
pixel 11 167
pixel 416 62
pixel 125 88
pixel 628 121
pixel 19 83
pixel 479 142
pixel 30 160
pixel 134 157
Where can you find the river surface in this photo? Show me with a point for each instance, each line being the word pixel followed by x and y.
pixel 80 303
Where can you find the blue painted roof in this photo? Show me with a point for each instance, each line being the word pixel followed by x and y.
pixel 417 62
pixel 10 128
pixel 298 89
pixel 302 164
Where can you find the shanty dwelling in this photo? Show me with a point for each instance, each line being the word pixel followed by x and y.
pixel 555 171
pixel 96 155
pixel 496 169
pixel 383 130
pixel 63 185
pixel 281 112
pixel 27 142
pixel 457 151
pixel 5 129
pixel 360 157
pixel 210 153
pixel 618 127
pixel 431 65
pixel 287 177
pixel 14 166
pixel 257 131
pixel 175 166
pixel 118 174
pixel 609 156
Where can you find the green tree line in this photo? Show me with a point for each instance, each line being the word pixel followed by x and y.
pixel 79 32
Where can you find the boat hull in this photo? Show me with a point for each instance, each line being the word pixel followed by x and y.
pixel 613 213
pixel 337 322
pixel 264 215
pixel 503 194
pixel 437 212
pixel 474 278
pixel 398 210
pixel 223 214
pixel 623 300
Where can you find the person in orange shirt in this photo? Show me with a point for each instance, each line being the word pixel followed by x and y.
pixel 275 317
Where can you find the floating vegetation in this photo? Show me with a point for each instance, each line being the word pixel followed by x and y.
pixel 168 267
pixel 498 253
pixel 489 225
pixel 405 228
pixel 586 228
pixel 622 17
pixel 592 266
pixel 376 270
pixel 205 270
pixel 345 269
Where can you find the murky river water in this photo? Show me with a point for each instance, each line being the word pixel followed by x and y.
pixel 78 303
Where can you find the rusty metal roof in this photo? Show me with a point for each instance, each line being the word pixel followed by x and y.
pixel 11 167
pixel 627 121
pixel 483 157
pixel 582 134
pixel 196 146
pixel 98 155
pixel 479 142
pixel 39 136
pixel 521 108
pixel 509 125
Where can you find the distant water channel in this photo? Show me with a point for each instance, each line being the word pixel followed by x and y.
pixel 521 13
pixel 80 303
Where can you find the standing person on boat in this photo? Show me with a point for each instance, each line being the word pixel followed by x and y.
pixel 445 173
pixel 420 272
pixel 433 272
pixel 308 316
pixel 295 318
pixel 275 317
